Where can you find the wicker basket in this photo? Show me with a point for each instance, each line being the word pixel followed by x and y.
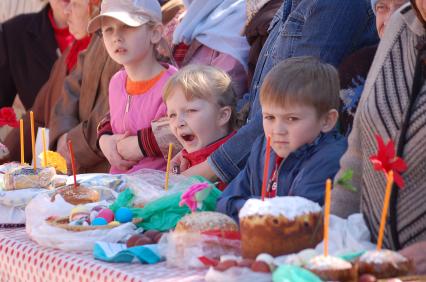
pixel 63 222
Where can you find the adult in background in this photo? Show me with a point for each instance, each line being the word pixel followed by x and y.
pixel 78 13
pixel 354 69
pixel 329 30
pixel 393 105
pixel 29 46
pixel 210 34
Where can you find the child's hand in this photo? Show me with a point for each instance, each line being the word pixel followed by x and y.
pixel 108 145
pixel 129 149
pixel 178 164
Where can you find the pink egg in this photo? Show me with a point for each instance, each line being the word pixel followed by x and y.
pixel 106 214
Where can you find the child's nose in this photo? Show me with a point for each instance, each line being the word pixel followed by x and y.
pixel 181 122
pixel 280 128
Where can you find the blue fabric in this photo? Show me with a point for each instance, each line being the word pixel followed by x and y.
pixel 111 252
pixel 303 173
pixel 330 30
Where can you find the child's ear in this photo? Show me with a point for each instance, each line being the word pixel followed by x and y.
pixel 224 115
pixel 157 33
pixel 329 120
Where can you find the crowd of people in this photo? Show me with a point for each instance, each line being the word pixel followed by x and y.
pixel 222 80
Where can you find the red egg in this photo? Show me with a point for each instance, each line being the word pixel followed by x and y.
pixel 106 214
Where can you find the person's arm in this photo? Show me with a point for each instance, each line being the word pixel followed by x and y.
pixel 236 194
pixel 416 253
pixel 242 187
pixel 230 158
pixel 333 30
pixel 343 201
pixel 8 89
pixel 83 136
pixel 65 113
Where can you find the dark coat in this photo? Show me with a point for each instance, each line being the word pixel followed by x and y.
pixel 28 50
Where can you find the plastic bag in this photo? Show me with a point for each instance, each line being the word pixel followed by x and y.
pixel 164 213
pixel 46 235
pixel 237 274
pixel 346 236
pixel 289 273
pixel 184 249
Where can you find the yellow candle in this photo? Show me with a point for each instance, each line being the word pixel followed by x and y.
pixel 327 214
pixel 169 157
pixel 43 135
pixel 33 139
pixel 21 136
pixel 389 182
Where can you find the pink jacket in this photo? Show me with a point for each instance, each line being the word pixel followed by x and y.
pixel 130 113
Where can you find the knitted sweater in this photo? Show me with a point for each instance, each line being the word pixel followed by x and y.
pixel 382 110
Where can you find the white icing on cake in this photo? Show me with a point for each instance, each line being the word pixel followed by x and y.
pixel 382 256
pixel 290 207
pixel 328 263
pixel 267 258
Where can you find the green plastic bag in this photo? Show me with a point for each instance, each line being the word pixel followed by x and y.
pixel 291 273
pixel 164 213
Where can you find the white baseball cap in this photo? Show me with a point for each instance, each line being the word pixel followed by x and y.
pixel 131 12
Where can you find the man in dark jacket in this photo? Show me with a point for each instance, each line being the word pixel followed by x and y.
pixel 29 46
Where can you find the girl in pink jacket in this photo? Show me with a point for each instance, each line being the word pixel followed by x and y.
pixel 131 30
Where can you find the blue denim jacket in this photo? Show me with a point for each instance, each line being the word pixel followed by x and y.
pixel 328 29
pixel 303 173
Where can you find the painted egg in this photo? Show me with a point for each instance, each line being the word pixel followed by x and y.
pixel 123 215
pixel 107 214
pixel 99 221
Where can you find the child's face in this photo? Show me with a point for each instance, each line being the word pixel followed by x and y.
pixel 126 45
pixel 290 127
pixel 196 123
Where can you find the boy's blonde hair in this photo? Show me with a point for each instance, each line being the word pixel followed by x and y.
pixel 204 82
pixel 302 81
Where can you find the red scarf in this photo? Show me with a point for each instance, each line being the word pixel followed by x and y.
pixel 76 48
pixel 62 35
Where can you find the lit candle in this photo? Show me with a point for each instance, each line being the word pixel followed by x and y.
pixel 327 214
pixel 33 139
pixel 21 137
pixel 389 182
pixel 169 158
pixel 266 167
pixel 43 135
pixel 74 170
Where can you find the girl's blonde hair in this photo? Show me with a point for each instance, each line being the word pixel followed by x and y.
pixel 207 83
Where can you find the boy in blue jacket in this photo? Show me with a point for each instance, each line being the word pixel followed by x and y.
pixel 299 99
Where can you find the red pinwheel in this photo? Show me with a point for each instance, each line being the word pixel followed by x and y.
pixel 8 117
pixel 386 161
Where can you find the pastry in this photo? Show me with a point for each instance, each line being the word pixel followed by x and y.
pixel 199 234
pixel 77 195
pixel 330 268
pixel 279 226
pixel 384 264
pixel 27 177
